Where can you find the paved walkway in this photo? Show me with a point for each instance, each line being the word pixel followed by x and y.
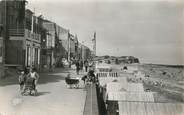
pixel 54 98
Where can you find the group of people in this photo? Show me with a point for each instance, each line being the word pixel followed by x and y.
pixel 90 77
pixel 80 65
pixel 25 75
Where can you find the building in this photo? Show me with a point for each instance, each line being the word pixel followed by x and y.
pixel 79 50
pixel 47 50
pixel 23 37
pixel 64 38
pixel 32 34
pixel 32 40
pixel 50 42
pixel 1 41
pixel 70 44
pixel 14 15
pixel 63 44
pixel 72 47
pixel 86 53
pixel 76 47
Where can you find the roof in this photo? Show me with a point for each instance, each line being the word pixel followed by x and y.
pixel 133 87
pixel 131 96
pixel 104 80
pixel 147 108
pixel 29 11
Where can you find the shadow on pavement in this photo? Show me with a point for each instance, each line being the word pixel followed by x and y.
pixel 41 93
pixel 44 78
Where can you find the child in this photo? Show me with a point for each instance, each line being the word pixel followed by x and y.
pixel 22 78
pixel 34 74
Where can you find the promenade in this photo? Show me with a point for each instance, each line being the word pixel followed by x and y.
pixel 54 98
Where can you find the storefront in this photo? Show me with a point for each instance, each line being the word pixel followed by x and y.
pixel 32 52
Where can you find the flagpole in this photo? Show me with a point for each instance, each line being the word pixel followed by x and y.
pixel 94 44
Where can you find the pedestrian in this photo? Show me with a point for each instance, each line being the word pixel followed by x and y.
pixel 33 74
pixel 84 79
pixel 22 78
pixel 77 67
pixel 86 64
pixel 92 76
pixel 81 66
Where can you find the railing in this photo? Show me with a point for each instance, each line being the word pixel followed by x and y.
pixel 104 69
pixel 16 32
pixel 30 35
pixel 107 74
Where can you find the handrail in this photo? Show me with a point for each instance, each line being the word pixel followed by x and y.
pixel 107 74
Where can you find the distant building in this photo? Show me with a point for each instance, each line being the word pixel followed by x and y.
pixel 50 41
pixel 86 52
pixel 63 37
pixel 69 43
pixel 63 40
pixel 79 49
pixel 72 46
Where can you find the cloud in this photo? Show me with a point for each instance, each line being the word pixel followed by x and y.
pixel 150 30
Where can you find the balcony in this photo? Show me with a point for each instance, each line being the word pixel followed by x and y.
pixel 16 32
pixel 32 36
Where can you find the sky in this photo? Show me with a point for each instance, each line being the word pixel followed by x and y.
pixel 151 30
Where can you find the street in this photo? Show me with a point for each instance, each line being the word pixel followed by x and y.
pixel 53 97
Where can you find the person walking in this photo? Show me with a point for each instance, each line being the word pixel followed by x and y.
pixel 86 64
pixel 77 67
pixel 81 65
